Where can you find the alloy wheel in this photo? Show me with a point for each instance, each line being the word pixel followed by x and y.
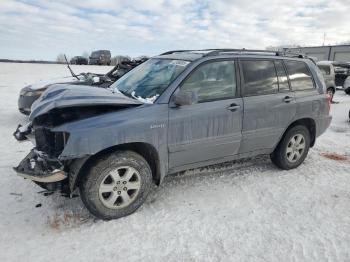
pixel 295 148
pixel 120 187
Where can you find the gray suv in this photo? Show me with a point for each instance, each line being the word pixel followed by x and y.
pixel 177 111
pixel 100 57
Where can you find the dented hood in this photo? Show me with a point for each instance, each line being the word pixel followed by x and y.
pixel 65 95
pixel 62 80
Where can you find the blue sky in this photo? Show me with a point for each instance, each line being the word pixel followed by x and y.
pixel 41 29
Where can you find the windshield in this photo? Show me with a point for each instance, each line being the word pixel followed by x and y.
pixel 95 54
pixel 148 80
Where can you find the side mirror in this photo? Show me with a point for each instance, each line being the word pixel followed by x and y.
pixel 183 98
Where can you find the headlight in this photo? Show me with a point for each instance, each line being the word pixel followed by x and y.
pixel 32 92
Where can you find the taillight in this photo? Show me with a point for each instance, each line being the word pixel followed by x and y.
pixel 329 102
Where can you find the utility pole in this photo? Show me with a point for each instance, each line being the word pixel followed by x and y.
pixel 324 38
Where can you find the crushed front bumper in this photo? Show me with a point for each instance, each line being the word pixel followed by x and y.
pixel 37 166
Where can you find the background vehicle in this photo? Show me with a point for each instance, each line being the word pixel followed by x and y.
pixel 342 71
pixel 29 94
pixel 179 110
pixel 79 60
pixel 327 70
pixel 346 85
pixel 100 57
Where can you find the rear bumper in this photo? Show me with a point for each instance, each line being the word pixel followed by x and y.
pixel 37 166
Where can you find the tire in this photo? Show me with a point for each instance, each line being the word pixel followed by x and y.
pixel 107 193
pixel 281 158
pixel 347 91
pixel 331 91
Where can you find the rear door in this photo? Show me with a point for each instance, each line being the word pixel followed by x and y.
pixel 269 104
pixel 211 128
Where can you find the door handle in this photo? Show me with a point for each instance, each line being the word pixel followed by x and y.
pixel 287 99
pixel 233 107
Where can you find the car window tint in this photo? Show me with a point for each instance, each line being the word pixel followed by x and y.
pixel 212 81
pixel 299 75
pixel 282 77
pixel 259 77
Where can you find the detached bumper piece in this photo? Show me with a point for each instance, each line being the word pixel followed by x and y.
pixel 38 167
pixel 22 131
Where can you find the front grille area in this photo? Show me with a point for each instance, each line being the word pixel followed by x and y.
pixel 52 143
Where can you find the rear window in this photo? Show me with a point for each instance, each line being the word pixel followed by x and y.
pixel 259 77
pixel 299 75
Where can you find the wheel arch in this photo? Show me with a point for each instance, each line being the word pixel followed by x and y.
pixel 309 123
pixel 147 151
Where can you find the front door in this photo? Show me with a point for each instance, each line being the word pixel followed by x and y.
pixel 209 129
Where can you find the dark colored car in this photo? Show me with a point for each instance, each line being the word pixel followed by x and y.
pixel 177 111
pixel 79 60
pixel 342 71
pixel 100 57
pixel 32 92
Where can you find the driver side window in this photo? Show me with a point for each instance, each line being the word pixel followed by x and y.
pixel 212 81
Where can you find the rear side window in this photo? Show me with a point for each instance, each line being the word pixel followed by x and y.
pixel 282 77
pixel 299 75
pixel 212 81
pixel 259 77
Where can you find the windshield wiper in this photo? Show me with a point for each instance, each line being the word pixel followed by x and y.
pixel 70 69
pixel 125 93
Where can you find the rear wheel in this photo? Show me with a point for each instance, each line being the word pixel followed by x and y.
pixel 347 91
pixel 292 149
pixel 116 185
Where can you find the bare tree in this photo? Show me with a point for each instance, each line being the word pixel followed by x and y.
pixel 85 54
pixel 60 58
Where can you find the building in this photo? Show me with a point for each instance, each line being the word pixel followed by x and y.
pixel 340 53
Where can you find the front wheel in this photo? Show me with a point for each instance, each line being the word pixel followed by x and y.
pixel 117 185
pixel 292 149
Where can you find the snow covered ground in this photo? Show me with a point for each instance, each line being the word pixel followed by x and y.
pixel 242 211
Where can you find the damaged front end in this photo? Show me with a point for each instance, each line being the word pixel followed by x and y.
pixel 57 107
pixel 38 167
pixel 42 164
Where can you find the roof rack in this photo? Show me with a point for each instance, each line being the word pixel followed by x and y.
pixel 212 52
pixel 177 51
pixel 254 52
